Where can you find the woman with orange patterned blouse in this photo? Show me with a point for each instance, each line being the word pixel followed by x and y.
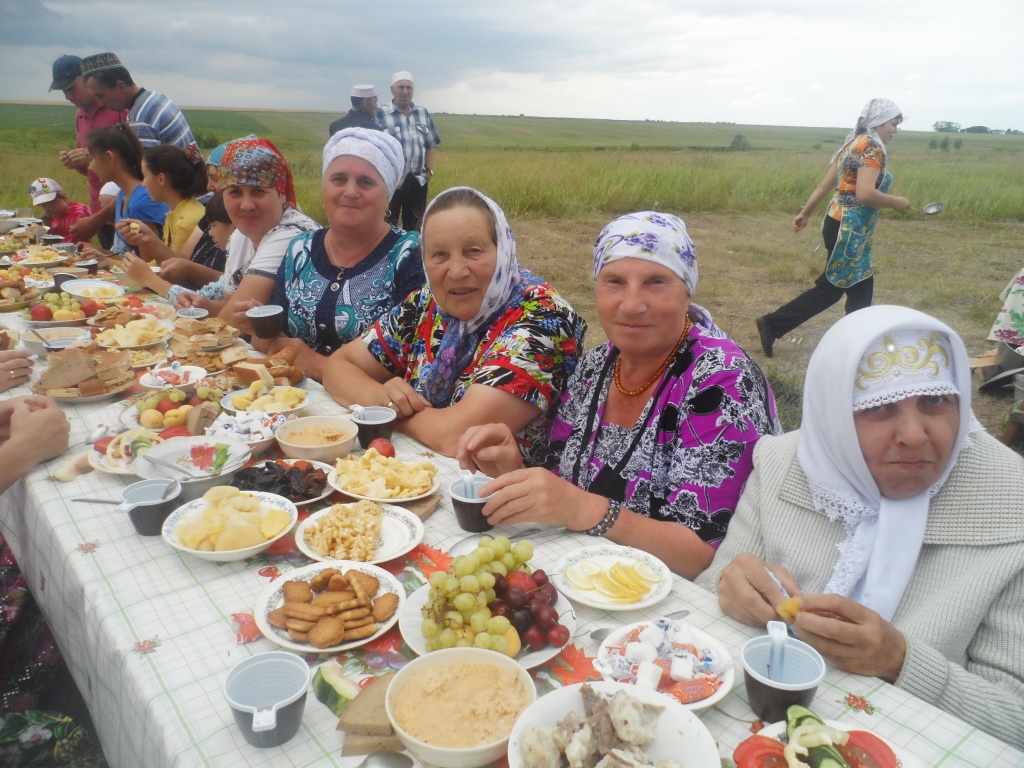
pixel 861 182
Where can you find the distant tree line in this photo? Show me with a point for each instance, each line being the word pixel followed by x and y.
pixel 947 126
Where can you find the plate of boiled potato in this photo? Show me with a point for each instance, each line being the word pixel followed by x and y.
pixel 261 398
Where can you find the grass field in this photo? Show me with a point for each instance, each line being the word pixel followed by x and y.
pixel 561 180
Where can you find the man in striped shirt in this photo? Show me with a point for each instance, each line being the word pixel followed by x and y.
pixel 154 117
pixel 414 129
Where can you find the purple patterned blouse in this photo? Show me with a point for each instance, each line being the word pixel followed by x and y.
pixel 689 454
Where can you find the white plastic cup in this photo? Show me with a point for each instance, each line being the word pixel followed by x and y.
pixel 267 694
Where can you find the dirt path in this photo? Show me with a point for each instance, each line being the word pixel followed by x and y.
pixel 749 265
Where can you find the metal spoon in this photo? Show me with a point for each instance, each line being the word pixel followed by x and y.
pixel 386 760
pixel 599 634
pixel 187 473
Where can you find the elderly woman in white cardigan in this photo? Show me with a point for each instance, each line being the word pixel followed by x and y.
pixel 897 521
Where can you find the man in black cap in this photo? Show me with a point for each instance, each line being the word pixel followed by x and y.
pixel 363 113
pixel 91 114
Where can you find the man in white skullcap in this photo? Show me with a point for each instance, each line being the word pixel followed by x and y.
pixel 414 129
pixel 363 113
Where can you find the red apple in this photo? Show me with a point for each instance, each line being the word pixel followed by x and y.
pixel 383 446
pixel 41 313
pixel 522 580
pixel 90 307
pixel 196 401
pixel 166 404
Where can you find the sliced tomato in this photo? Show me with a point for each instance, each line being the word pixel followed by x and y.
pixel 170 432
pixel 134 301
pixel 865 750
pixel 751 753
pixel 101 444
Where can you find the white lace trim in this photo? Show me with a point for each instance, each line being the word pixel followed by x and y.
pixel 895 395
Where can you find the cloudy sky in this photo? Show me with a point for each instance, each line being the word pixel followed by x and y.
pixel 782 62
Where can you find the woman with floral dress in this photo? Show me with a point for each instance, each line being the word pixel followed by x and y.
pixel 484 339
pixel 653 437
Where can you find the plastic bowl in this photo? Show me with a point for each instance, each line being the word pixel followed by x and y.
pixel 171 450
pixel 195 373
pixel 452 757
pixel 326 453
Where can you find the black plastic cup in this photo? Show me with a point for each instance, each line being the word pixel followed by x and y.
pixel 469 505
pixel 803 670
pixel 374 421
pixel 149 509
pixel 267 321
pixel 59 278
pixel 267 694
pixel 92 266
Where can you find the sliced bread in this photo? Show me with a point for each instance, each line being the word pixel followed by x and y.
pixel 366 715
pixel 359 744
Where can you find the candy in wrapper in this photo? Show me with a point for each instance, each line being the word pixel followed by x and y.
pixel 245 628
pixel 648 675
pixel 697 689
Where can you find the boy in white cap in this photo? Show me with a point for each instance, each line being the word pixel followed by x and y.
pixel 59 212
pixel 414 129
pixel 363 113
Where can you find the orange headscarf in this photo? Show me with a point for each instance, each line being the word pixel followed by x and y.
pixel 257 163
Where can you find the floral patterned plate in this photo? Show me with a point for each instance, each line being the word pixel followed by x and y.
pixel 605 556
pixel 400 531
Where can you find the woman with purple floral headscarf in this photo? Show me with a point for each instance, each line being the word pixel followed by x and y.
pixel 657 425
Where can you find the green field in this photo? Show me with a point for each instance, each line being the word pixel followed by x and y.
pixel 561 167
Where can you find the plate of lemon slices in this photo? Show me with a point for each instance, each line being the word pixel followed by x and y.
pixel 613 578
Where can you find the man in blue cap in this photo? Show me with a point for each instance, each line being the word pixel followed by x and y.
pixel 91 114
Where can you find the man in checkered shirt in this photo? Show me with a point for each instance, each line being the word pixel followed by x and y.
pixel 414 129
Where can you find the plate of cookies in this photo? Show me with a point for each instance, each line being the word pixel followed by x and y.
pixel 329 607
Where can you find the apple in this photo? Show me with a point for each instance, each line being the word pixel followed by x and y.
pixel 90 307
pixel 522 580
pixel 196 401
pixel 41 313
pixel 382 446
pixel 166 404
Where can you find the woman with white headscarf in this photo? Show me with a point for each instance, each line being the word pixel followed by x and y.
pixel 334 283
pixel 484 339
pixel 654 434
pixel 895 519
pixel 861 182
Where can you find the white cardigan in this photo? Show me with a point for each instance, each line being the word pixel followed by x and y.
pixel 963 611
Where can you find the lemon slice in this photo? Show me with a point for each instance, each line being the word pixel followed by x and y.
pixel 623 575
pixel 589 567
pixel 578 578
pixel 607 588
pixel 644 571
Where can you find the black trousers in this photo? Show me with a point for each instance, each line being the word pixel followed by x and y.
pixel 823 295
pixel 409 203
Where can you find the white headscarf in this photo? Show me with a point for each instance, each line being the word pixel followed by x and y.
pixel 658 237
pixel 875 113
pixel 379 149
pixel 884 536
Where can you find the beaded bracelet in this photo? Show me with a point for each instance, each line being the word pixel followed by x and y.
pixel 614 507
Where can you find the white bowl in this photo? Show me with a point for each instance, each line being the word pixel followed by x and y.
pixel 84 289
pixel 171 450
pixel 451 757
pixel 194 373
pixel 230 555
pixel 37 348
pixel 326 453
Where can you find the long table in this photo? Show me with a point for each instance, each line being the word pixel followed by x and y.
pixel 149 636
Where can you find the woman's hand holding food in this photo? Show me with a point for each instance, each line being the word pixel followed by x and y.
pixel 135 233
pixel 747 592
pixel 536 495
pixel 38 434
pixel 32 402
pixel 185 300
pixel 398 394
pixel 851 636
pixel 15 368
pixel 136 269
pixel 491 448
pixel 175 270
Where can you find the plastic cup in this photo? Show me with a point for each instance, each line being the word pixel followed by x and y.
pixel 797 682
pixel 91 266
pixel 373 422
pixel 59 278
pixel 193 313
pixel 266 321
pixel 146 506
pixel 469 504
pixel 267 694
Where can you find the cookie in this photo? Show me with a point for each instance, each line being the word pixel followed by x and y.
pixel 278 618
pixel 338 583
pixel 370 583
pixel 330 598
pixel 327 632
pixel 297 592
pixel 385 606
pixel 319 582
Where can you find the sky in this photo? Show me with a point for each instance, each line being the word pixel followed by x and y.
pixel 770 62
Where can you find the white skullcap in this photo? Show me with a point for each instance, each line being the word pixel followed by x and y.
pixel 904 363
pixel 379 149
pixel 363 91
pixel 403 75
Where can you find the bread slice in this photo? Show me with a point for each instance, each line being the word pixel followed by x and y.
pixel 366 715
pixel 249 371
pixel 65 368
pixel 92 387
pixel 359 744
pixel 234 354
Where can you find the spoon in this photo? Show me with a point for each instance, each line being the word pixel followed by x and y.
pixel 599 634
pixel 184 471
pixel 95 435
pixel 777 639
pixel 386 760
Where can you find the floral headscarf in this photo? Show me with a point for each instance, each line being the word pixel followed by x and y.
pixel 875 113
pixel 658 237
pixel 217 154
pixel 878 355
pixel 257 163
pixel 508 283
pixel 381 150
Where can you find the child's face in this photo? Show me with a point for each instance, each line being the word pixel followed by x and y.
pixel 54 207
pixel 102 164
pixel 221 232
